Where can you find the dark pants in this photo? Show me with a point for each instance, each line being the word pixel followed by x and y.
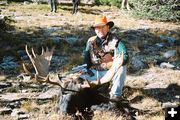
pixel 53 4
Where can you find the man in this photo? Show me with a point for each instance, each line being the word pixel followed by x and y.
pixel 53 5
pixel 102 56
pixel 126 3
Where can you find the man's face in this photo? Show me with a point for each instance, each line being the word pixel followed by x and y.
pixel 101 31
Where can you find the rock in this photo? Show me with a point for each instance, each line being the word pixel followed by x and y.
pixel 23 116
pixel 71 39
pixel 15 104
pixel 51 93
pixel 5 111
pixel 170 40
pixel 5 84
pixel 19 114
pixel 24 77
pixel 3 3
pixel 88 1
pixel 40 1
pixel 10 97
pixel 167 65
pixel 153 49
pixel 170 53
pixel 15 112
pixel 169 104
pixel 160 45
pixel 26 3
pixel 137 63
pixel 156 85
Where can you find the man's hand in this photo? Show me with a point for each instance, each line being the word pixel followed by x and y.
pixel 106 65
pixel 91 84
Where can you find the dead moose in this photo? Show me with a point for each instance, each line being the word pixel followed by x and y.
pixel 74 94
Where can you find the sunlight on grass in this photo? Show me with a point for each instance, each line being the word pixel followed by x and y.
pixel 151 117
pixel 37 7
pixel 135 94
pixel 2 77
pixel 148 103
pixel 29 106
pixel 107 116
pixel 157 117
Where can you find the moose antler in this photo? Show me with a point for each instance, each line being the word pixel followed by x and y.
pixel 41 65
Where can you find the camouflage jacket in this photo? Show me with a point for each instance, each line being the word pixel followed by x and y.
pixel 97 49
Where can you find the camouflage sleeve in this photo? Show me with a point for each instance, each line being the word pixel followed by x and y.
pixel 90 57
pixel 121 47
pixel 87 55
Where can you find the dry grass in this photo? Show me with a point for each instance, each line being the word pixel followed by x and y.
pixel 2 77
pixel 164 77
pixel 148 103
pixel 155 117
pixel 107 116
pixel 29 106
pixel 84 17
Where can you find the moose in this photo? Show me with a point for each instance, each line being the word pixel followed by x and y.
pixel 75 94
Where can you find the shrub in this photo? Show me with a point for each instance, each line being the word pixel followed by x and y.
pixel 163 10
pixel 109 2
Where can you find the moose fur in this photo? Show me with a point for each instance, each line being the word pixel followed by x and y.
pixel 73 99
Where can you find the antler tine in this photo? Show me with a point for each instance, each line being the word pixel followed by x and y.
pixel 47 49
pixel 28 54
pixel 42 52
pixel 34 55
pixel 47 80
pixel 31 59
pixel 52 50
